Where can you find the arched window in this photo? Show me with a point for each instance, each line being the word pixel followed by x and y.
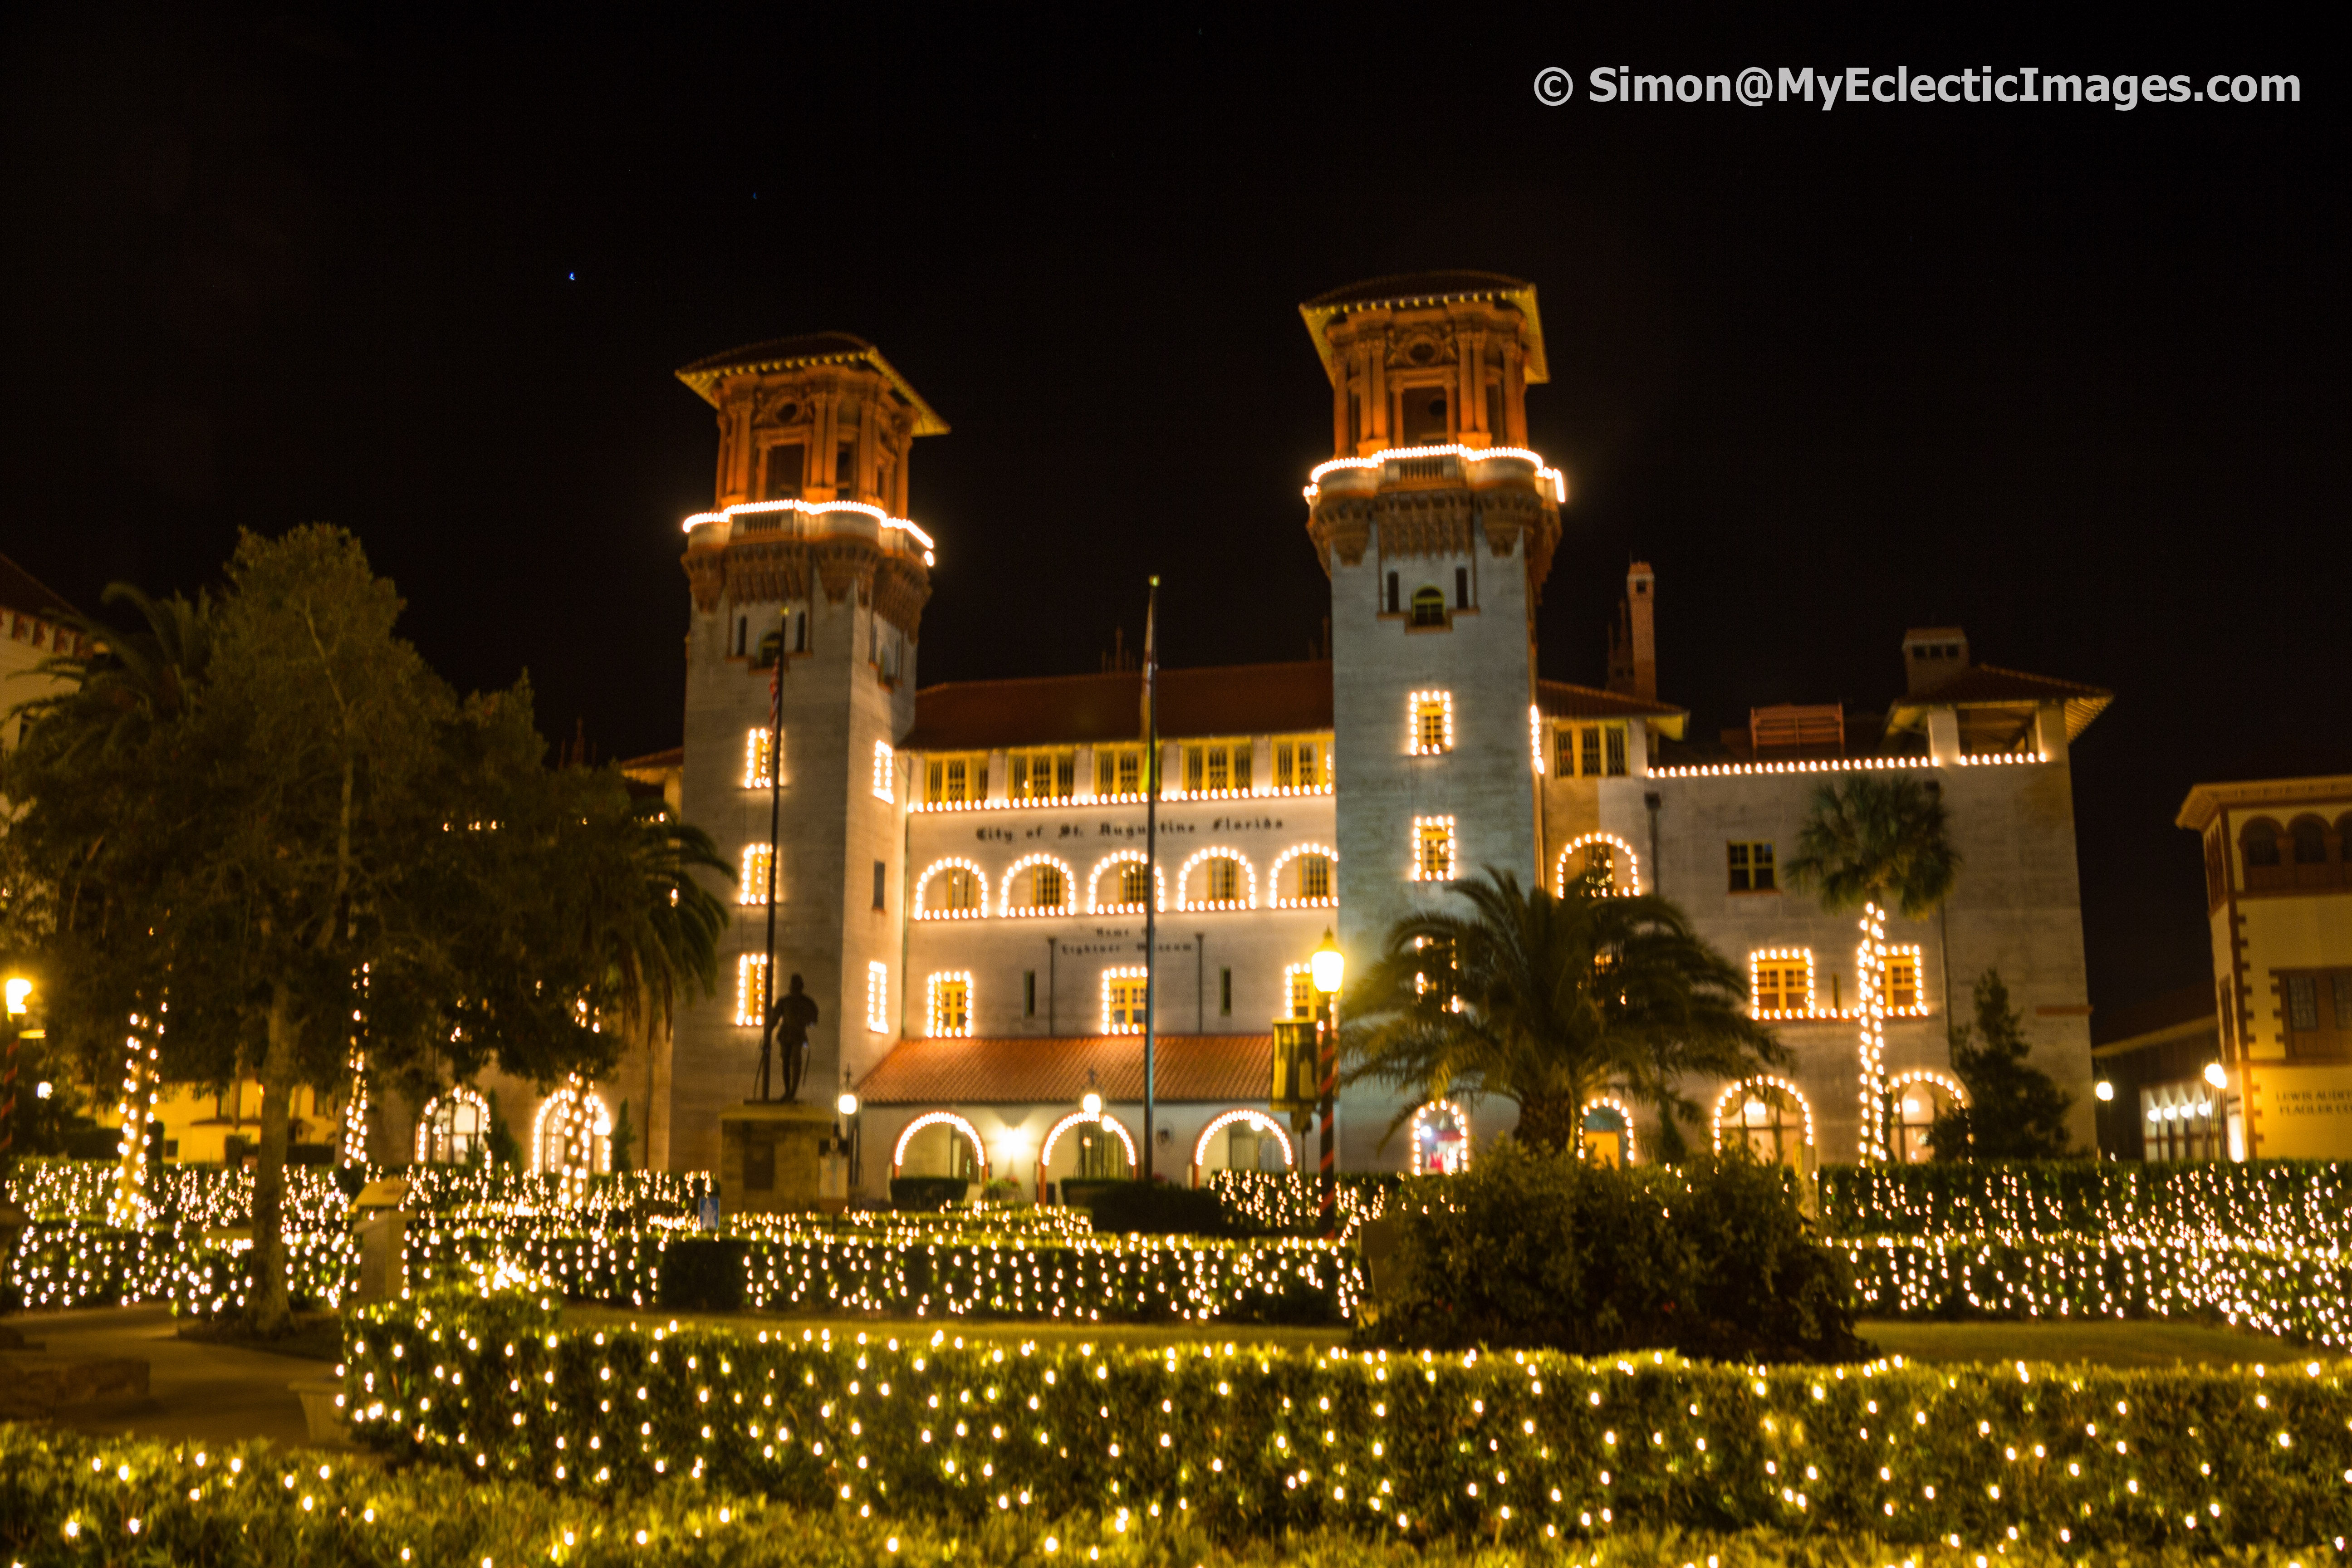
pixel 1429 605
pixel 1223 878
pixel 2310 836
pixel 1242 1141
pixel 1134 882
pixel 455 1129
pixel 1037 885
pixel 951 889
pixel 1608 1133
pixel 1771 1117
pixel 1920 1098
pixel 573 1135
pixel 1440 1140
pixel 2261 842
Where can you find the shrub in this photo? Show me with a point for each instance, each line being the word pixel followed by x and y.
pixel 1255 1442
pixel 1155 1208
pixel 2305 1202
pixel 1534 1248
pixel 922 1194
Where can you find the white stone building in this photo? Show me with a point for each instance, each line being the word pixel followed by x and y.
pixel 960 882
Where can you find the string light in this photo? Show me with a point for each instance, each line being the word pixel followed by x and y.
pixel 752 886
pixel 885 522
pixel 1329 899
pixel 1257 1118
pixel 884 772
pixel 1616 847
pixel 950 1004
pixel 1872 1013
pixel 134 1111
pixel 1624 1114
pixel 751 988
pixel 1746 1089
pixel 1067 904
pixel 1081 1119
pixel 1433 849
pixel 973 895
pixel 1535 735
pixel 1242 869
pixel 938 1119
pixel 436 1126
pixel 1429 724
pixel 1133 982
pixel 1450 1156
pixel 757 749
pixel 877 998
pixel 1557 480
pixel 1122 905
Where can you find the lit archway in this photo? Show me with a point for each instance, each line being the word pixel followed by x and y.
pixel 1605 1141
pixel 454 1128
pixel 1048 874
pixel 1257 1119
pixel 1768 1116
pixel 948 1118
pixel 1245 893
pixel 1119 904
pixel 953 888
pixel 1919 1097
pixel 1623 865
pixel 1439 1141
pixel 572 1135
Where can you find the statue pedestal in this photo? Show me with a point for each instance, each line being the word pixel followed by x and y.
pixel 771 1157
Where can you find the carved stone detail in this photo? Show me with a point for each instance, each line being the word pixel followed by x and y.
pixel 772 571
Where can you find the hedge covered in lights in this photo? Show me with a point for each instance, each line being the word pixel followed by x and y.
pixel 1037 1269
pixel 1254 1442
pixel 65 1497
pixel 215 1196
pixel 79 1265
pixel 2305 1201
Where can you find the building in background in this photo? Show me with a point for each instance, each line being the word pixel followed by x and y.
pixel 2157 1101
pixel 2279 899
pixel 959 870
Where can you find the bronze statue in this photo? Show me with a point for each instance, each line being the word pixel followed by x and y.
pixel 790 1018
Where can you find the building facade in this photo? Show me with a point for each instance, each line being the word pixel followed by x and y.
pixel 2278 899
pixel 959 870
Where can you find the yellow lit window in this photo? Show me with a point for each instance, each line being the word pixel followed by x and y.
pixel 1134 883
pixel 1302 761
pixel 1433 722
pixel 884 772
pixel 1589 751
pixel 1781 981
pixel 754 887
pixel 1903 980
pixel 950 780
pixel 759 747
pixel 1046 886
pixel 1223 879
pixel 1041 775
pixel 950 891
pixel 878 998
pixel 1751 866
pixel 1433 842
pixel 950 1004
pixel 1217 765
pixel 1118 770
pixel 1124 1000
pixel 1315 876
pixel 751 988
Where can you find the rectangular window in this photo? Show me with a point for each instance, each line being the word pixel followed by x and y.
pixel 751 988
pixel 1298 990
pixel 1042 775
pixel 1462 587
pixel 1118 770
pixel 1047 889
pixel 1028 993
pixel 1780 982
pixel 1217 765
pixel 1302 762
pixel 845 464
pixel 759 747
pixel 1563 752
pixel 1751 866
pixel 1226 992
pixel 951 1005
pixel 881 884
pixel 2302 1002
pixel 878 998
pixel 954 780
pixel 754 887
pixel 1315 876
pixel 1433 845
pixel 1902 981
pixel 784 472
pixel 800 631
pixel 1589 751
pixel 1431 715
pixel 885 771
pixel 1613 741
pixel 2343 989
pixel 1124 1000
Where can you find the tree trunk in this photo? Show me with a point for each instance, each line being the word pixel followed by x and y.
pixel 270 1310
pixel 1551 1123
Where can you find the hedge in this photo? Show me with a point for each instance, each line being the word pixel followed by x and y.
pixel 2304 1202
pixel 216 1196
pixel 1292 1201
pixel 2296 1293
pixel 79 1265
pixel 1260 1441
pixel 925 1271
pixel 242 1514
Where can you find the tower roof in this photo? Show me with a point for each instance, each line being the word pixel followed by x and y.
pixel 1409 288
pixel 798 352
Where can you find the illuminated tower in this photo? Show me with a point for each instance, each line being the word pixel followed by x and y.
pixel 807 561
pixel 1436 526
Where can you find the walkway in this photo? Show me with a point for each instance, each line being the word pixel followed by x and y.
pixel 195 1391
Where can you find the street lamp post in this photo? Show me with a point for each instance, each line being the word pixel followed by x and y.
pixel 845 1112
pixel 2217 1081
pixel 1327 966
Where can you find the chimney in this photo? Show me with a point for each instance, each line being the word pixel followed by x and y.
pixel 1633 647
pixel 1931 656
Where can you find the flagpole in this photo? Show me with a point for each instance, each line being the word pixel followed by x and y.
pixel 775 814
pixel 1150 864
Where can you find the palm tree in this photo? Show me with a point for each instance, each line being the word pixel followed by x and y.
pixel 1548 1002
pixel 1871 842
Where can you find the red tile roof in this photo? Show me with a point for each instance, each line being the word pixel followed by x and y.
pixel 1224 699
pixel 1232 1068
pixel 1563 699
pixel 1990 686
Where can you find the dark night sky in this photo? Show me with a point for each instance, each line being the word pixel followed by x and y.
pixel 2058 374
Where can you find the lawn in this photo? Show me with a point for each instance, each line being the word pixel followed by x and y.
pixel 2110 1343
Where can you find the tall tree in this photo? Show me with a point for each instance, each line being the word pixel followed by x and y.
pixel 230 850
pixel 1872 842
pixel 2015 1110
pixel 1548 1001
